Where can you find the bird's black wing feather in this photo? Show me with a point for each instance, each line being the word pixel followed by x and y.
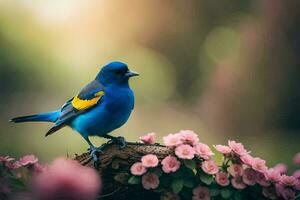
pixel 87 98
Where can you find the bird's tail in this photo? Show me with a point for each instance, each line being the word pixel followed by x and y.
pixel 42 117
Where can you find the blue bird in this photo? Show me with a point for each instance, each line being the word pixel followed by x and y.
pixel 102 106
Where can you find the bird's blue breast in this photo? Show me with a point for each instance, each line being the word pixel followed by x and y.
pixel 111 112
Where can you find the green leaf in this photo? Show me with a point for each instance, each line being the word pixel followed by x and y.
pixel 159 189
pixel 188 173
pixel 206 178
pixel 188 183
pixel 214 192
pixel 158 172
pixel 165 181
pixel 225 193
pixel 17 183
pixel 238 196
pixel 177 185
pixel 133 180
pixel 190 164
pixel 186 193
pixel 178 173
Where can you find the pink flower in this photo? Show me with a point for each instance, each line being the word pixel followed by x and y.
pixel 296 174
pixel 210 167
pixel 185 151
pixel 38 168
pixel 66 179
pixel 261 180
pixel 150 181
pixel 189 137
pixel 6 159
pixel 297 186
pixel 272 175
pixel 247 159
pixel 222 178
pixel 249 176
pixel 288 180
pixel 223 149
pixel 203 151
pixel 281 168
pixel 173 140
pixel 28 160
pixel 170 164
pixel 13 165
pixel 235 169
pixel 149 160
pixel 237 148
pixel 201 193
pixel 170 196
pixel 269 192
pixel 279 188
pixel 288 194
pixel 297 159
pixel 138 169
pixel 237 182
pixel 259 165
pixel 148 139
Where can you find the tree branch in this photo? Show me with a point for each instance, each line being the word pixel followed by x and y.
pixel 114 168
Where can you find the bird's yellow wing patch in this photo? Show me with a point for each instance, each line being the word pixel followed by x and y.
pixel 82 104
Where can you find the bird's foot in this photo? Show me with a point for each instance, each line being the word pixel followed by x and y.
pixel 94 153
pixel 120 141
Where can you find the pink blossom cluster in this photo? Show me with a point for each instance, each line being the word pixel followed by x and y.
pixel 149 180
pixel 246 170
pixel 187 145
pixel 238 170
pixel 63 179
pixel 14 169
pixel 30 161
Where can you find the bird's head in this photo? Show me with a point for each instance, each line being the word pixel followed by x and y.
pixel 115 73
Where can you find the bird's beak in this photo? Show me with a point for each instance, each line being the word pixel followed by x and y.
pixel 131 73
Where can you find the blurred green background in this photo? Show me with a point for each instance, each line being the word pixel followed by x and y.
pixel 227 69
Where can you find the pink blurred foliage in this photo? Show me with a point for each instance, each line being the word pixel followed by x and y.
pixel 63 179
pixel 66 179
pixel 297 159
pixel 281 168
